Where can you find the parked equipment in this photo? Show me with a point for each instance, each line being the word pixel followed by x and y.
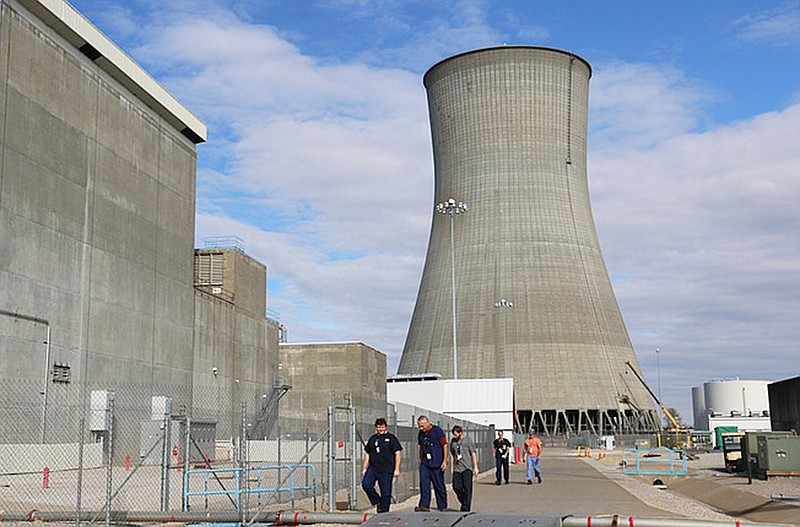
pixel 682 434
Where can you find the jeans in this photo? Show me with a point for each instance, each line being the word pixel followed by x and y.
pixel 533 467
pixel 427 476
pixel 501 465
pixel 462 486
pixel 384 480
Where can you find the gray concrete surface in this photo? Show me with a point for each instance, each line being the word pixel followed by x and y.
pixel 508 127
pixel 569 486
pixel 596 487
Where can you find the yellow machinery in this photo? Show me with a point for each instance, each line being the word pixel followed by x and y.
pixel 681 435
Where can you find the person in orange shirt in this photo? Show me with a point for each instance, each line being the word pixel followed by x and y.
pixel 533 449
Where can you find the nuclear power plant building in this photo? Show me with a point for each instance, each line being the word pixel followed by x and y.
pixel 514 263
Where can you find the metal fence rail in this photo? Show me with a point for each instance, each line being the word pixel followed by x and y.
pixel 122 449
pixel 241 479
pixel 662 461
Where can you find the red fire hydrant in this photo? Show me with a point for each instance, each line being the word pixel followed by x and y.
pixel 46 477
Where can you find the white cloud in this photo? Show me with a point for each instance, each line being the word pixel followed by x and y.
pixel 698 222
pixel 338 153
pixel 699 231
pixel 779 26
pixel 640 105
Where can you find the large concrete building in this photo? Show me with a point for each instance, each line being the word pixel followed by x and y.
pixel 519 271
pixel 322 374
pixel 97 195
pixel 97 267
pixel 235 346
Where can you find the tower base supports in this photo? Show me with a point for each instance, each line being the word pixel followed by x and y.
pixel 568 422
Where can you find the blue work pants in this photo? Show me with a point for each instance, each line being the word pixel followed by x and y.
pixel 384 480
pixel 501 469
pixel 427 476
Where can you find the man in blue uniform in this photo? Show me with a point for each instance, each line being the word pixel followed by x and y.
pixel 432 464
pixel 381 464
pixel 502 449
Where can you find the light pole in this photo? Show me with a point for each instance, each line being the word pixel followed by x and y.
pixel 503 304
pixel 452 207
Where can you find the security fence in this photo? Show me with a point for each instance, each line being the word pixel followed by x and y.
pixel 90 452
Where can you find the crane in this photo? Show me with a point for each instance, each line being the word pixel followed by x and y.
pixel 675 425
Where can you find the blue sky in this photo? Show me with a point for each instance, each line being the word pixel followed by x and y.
pixel 319 158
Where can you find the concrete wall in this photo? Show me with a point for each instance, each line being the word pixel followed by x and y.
pixel 317 370
pixel 508 128
pixel 26 459
pixel 236 357
pixel 97 196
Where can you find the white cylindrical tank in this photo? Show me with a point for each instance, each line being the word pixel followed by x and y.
pixel 736 397
pixel 699 408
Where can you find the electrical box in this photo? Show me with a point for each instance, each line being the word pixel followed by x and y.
pixel 100 410
pixel 160 406
pixel 202 444
pixel 607 442
pixel 779 454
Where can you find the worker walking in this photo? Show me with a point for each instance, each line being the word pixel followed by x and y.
pixel 433 453
pixel 502 449
pixel 381 465
pixel 464 467
pixel 533 449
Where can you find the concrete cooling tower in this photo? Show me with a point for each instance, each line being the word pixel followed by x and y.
pixel 514 262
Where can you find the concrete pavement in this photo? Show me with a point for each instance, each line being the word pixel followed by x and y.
pixel 569 486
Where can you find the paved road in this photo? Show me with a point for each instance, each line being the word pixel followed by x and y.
pixel 569 486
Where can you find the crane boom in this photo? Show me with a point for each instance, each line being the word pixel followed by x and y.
pixel 674 422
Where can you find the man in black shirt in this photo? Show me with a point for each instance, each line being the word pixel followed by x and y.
pixel 381 464
pixel 502 449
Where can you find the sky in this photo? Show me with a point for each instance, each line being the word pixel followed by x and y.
pixel 319 158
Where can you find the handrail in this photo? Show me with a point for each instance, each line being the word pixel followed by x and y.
pixel 650 461
pixel 246 474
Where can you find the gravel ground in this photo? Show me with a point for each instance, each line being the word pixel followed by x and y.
pixel 710 466
pixel 707 466
pixel 659 498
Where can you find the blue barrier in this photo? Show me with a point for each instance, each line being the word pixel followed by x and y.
pixel 248 474
pixel 663 461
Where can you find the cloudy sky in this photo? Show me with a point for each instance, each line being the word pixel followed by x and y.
pixel 319 158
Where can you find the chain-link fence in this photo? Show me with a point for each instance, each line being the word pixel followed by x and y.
pixel 88 452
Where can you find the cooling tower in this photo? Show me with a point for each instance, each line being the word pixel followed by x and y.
pixel 522 264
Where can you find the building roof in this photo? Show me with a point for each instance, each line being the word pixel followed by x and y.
pixel 80 32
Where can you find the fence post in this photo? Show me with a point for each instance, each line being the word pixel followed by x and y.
pixel 186 452
pixel 280 494
pixel 242 486
pixel 306 470
pixel 165 455
pixel 78 495
pixel 331 458
pixel 110 459
pixel 351 411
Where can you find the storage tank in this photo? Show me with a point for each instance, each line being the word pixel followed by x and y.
pixel 736 397
pixel 699 408
pixel 513 262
